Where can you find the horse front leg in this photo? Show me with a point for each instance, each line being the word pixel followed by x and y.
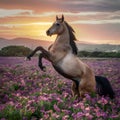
pixel 44 54
pixel 40 62
pixel 41 55
pixel 47 54
pixel 33 52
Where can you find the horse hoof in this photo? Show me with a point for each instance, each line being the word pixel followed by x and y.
pixel 43 68
pixel 27 58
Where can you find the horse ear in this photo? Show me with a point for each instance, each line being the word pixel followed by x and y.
pixel 56 17
pixel 62 18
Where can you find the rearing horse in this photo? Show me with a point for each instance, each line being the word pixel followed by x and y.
pixel 63 56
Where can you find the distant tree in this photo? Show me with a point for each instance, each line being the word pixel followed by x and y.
pixel 84 54
pixel 99 54
pixel 96 54
pixel 15 51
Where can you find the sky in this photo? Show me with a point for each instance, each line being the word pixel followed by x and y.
pixel 94 21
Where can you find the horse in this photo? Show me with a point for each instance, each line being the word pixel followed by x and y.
pixel 63 56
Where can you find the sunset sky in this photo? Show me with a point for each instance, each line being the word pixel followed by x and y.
pixel 94 21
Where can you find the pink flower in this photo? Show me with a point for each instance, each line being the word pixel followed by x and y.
pixel 79 105
pixel 23 82
pixel 18 94
pixel 43 98
pixel 32 109
pixel 98 114
pixel 55 115
pixel 89 116
pixel 87 108
pixel 11 103
pixel 104 101
pixel 65 117
pixel 65 94
pixel 79 115
pixel 2 119
pixel 59 100
pixel 66 111
pixel 46 116
pixel 88 97
pixel 1 107
pixel 56 108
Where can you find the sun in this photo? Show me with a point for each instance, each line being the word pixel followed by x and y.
pixel 32 30
pixel 38 30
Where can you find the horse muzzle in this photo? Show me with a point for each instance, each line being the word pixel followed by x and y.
pixel 48 33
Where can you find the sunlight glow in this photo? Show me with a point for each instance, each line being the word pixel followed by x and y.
pixel 28 23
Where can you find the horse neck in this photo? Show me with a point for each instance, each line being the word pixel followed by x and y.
pixel 64 37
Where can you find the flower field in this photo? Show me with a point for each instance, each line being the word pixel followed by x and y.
pixel 27 93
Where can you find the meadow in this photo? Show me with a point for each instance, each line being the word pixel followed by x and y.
pixel 27 93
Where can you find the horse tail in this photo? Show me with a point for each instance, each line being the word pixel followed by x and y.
pixel 104 87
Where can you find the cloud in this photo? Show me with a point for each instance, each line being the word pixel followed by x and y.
pixel 74 18
pixel 35 5
pixel 14 12
pixel 62 5
pixel 93 19
pixel 93 5
pixel 97 22
pixel 25 24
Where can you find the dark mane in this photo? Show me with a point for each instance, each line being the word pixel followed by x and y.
pixel 72 39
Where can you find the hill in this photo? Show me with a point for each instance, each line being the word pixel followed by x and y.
pixel 27 42
pixel 33 43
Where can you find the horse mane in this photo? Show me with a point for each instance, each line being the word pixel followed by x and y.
pixel 72 38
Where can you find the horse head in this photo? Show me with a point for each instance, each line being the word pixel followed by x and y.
pixel 57 27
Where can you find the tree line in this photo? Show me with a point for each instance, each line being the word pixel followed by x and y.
pixel 15 51
pixel 99 54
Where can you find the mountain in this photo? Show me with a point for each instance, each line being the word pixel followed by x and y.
pixel 27 42
pixel 33 43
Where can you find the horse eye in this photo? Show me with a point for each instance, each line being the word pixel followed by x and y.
pixel 57 24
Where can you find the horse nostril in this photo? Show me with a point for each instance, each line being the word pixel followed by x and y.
pixel 47 32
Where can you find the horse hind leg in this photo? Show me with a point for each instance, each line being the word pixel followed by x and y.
pixel 82 92
pixel 75 91
pixel 74 88
pixel 86 88
pixel 80 88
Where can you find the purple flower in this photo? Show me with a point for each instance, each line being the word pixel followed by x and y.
pixel 67 112
pixel 2 119
pixel 65 117
pixel 56 108
pixel 78 115
pixel 103 101
pixel 55 115
pixel 40 87
pixel 23 82
pixel 87 108
pixel 1 107
pixel 79 105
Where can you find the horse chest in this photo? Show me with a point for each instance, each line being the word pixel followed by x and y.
pixel 57 53
pixel 69 65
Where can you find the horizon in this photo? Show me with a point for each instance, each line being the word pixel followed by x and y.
pixel 77 42
pixel 94 21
